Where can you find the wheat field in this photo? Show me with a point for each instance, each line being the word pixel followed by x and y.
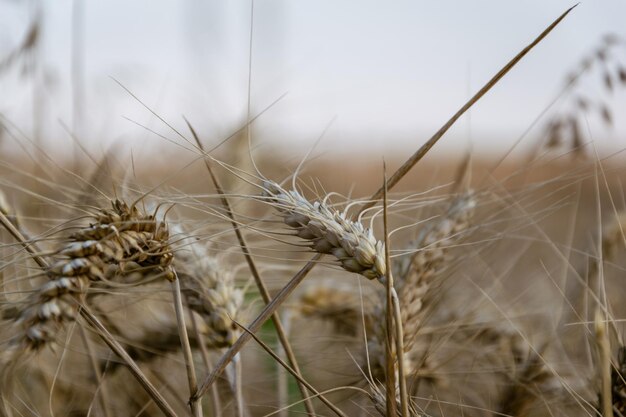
pixel 227 282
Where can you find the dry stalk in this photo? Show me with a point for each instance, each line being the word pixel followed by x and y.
pixel 390 353
pixel 527 383
pixel 215 399
pixel 379 400
pixel 423 150
pixel 399 339
pixel 604 353
pixel 196 406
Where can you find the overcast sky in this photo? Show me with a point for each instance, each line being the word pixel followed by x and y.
pixel 389 73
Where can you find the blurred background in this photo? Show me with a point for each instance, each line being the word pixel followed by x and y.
pixel 386 75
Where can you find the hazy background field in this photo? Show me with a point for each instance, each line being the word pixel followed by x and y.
pixel 388 75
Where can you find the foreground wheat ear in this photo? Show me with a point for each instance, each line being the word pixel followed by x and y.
pixel 120 240
pixel 330 231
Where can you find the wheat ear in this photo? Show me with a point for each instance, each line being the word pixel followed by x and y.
pixel 118 237
pixel 416 274
pixel 93 321
pixel 210 290
pixel 332 303
pixel 329 231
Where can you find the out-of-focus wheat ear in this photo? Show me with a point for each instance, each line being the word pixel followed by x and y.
pixel 526 384
pixel 603 344
pixel 210 290
pixel 329 231
pixel 332 303
pixel 262 317
pixel 416 274
pixel 614 236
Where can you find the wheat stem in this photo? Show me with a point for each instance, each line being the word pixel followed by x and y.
pixel 404 396
pixel 390 373
pixel 215 399
pixel 604 351
pixel 196 406
pixel 19 236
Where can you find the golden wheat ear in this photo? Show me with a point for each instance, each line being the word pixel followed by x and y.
pixel 329 231
pixel 118 236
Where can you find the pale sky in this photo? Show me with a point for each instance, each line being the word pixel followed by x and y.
pixel 389 73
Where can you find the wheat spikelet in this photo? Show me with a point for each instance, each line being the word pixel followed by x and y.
pixel 330 231
pixel 210 290
pixel 119 237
